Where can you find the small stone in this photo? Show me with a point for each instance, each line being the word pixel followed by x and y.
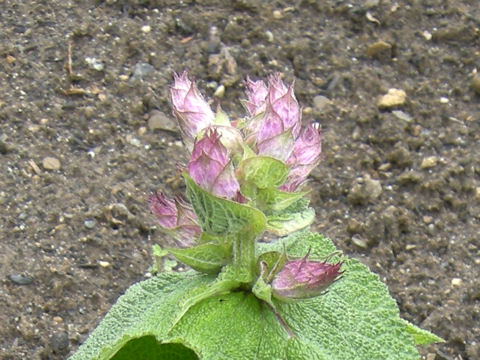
pixel 409 247
pixel 409 177
pixel 364 190
pixel 457 282
pixel 477 193
pixel 20 279
pixel 59 342
pixel 142 70
pixel 357 240
pixel 307 110
pixel 94 64
pixel 146 29
pixel 277 14
pixel 379 50
pixel 399 114
pixel 429 162
pixel 134 141
pixel 321 103
pixel 444 100
pixel 51 163
pixel 219 92
pixel 373 188
pixel 10 59
pixel 89 223
pixel 142 130
pixel 427 219
pixel 103 264
pixel 431 356
pixel 269 36
pixel 476 84
pixel 427 35
pixel 393 98
pixel 58 320
pixel 159 121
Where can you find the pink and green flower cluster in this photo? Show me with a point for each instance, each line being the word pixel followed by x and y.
pixel 261 161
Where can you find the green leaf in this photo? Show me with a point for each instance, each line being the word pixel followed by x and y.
pixel 222 217
pixel 296 217
pixel 187 312
pixel 422 337
pixel 262 171
pixel 208 257
pixel 276 200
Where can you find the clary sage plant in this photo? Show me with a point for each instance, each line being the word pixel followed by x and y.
pixel 249 295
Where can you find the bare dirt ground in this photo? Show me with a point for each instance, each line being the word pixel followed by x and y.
pixel 86 134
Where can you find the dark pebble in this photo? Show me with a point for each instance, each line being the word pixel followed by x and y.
pixel 59 342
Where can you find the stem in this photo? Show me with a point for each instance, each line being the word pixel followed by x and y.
pixel 244 256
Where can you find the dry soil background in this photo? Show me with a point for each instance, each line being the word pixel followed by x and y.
pixel 86 134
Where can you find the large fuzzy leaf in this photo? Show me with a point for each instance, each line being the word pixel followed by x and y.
pixel 355 319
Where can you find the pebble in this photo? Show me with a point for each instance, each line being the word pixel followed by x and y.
pixel 357 240
pixel 365 190
pixel 379 50
pixel 399 114
pixel 269 36
pixel 393 98
pixel 51 163
pixel 58 320
pixel 141 130
pixel 219 92
pixel 59 342
pixel 476 84
pixel 409 177
pixel 429 162
pixel 103 264
pixel 444 100
pixel 477 193
pixel 134 141
pixel 321 103
pixel 159 121
pixel 20 279
pixel 89 223
pixel 427 35
pixel 427 219
pixel 142 70
pixel 146 29
pixel 94 64
pixel 277 14
pixel 457 282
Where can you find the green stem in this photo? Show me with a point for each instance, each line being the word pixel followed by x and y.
pixel 244 256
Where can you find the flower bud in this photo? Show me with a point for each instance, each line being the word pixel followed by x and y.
pixel 211 168
pixel 176 218
pixel 302 279
pixel 305 156
pixel 280 125
pixel 192 111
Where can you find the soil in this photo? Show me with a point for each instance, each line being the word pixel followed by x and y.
pixel 87 134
